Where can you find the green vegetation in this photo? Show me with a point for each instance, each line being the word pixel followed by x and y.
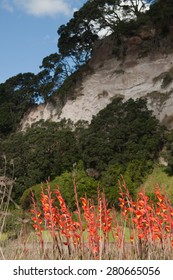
pixel 17 94
pixel 61 72
pixel 165 77
pixel 123 139
pixel 77 37
pixel 159 176
pixel 166 81
pixel 47 149
pixel 168 151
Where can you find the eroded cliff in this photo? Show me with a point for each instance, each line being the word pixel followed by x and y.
pixel 140 65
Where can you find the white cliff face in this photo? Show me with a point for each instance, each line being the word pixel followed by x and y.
pixel 40 112
pixel 131 78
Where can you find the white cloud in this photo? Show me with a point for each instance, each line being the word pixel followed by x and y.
pixel 5 4
pixel 44 7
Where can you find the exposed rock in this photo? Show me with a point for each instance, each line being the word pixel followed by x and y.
pixel 146 33
pixel 162 161
pixel 126 75
pixel 133 45
pixel 102 51
pixel 48 111
pixel 135 40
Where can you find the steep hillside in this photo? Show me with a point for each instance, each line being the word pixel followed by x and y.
pixel 141 65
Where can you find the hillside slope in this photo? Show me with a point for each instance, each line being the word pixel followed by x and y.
pixel 141 65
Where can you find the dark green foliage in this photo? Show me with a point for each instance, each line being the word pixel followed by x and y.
pixel 17 94
pixel 119 17
pixel 54 72
pixel 161 14
pixel 85 186
pixel 133 175
pixel 121 133
pixel 43 151
pixel 109 182
pixel 21 92
pixel 168 151
pixel 123 139
pixel 77 37
pixel 166 80
pixel 120 140
pixel 76 41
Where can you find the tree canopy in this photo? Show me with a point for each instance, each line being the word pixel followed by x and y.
pixel 121 133
pixel 17 94
pixel 124 138
pixel 124 135
pixel 95 18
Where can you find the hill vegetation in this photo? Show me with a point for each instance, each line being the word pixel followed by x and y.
pixel 123 139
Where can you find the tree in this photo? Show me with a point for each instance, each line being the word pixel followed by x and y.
pixel 17 94
pixel 49 79
pixel 85 186
pixel 96 17
pixel 55 70
pixel 77 36
pixel 121 133
pixel 45 150
pixel 135 174
pixel 168 151
pixel 109 182
pixel 161 14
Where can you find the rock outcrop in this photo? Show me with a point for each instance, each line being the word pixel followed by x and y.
pixel 137 66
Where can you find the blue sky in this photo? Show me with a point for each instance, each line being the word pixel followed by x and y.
pixel 28 32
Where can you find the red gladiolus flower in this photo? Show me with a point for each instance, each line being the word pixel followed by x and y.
pixel 132 239
pixel 141 236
